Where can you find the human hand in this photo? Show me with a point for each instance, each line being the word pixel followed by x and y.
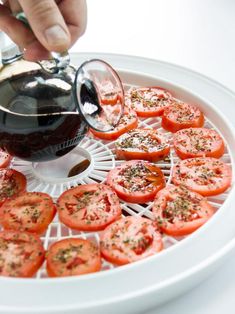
pixel 55 25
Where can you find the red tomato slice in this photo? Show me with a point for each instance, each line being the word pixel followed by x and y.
pixel 148 101
pixel 109 93
pixel 136 181
pixel 127 122
pixel 89 207
pixel 206 175
pixel 181 116
pixel 72 257
pixel 22 254
pixel 30 211
pixel 12 183
pixel 130 239
pixel 179 211
pixel 198 142
pixel 5 159
pixel 144 144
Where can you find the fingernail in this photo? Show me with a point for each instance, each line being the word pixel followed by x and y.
pixel 55 36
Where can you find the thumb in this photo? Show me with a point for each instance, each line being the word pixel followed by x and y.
pixel 47 24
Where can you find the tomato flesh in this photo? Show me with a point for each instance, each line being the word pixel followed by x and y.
pixel 198 142
pixel 12 183
pixel 109 94
pixel 146 144
pixel 21 253
pixel 30 211
pixel 181 115
pixel 136 181
pixel 148 101
pixel 127 122
pixel 130 239
pixel 5 159
pixel 205 175
pixel 179 211
pixel 72 257
pixel 89 207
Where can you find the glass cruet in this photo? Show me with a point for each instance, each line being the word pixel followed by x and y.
pixel 47 107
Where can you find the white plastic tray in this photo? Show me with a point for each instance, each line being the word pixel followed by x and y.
pixel 113 291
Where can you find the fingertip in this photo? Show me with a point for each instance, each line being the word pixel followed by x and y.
pixel 57 39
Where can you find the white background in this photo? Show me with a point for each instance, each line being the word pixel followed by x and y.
pixel 198 34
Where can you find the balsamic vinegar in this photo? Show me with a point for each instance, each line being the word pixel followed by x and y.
pixel 38 138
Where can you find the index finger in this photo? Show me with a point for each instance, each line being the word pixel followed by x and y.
pixel 75 16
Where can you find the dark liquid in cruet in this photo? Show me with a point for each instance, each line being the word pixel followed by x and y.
pixel 38 138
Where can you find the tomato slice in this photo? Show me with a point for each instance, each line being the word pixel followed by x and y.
pixel 109 93
pixel 148 101
pixel 127 122
pixel 22 254
pixel 72 257
pixel 130 239
pixel 30 211
pixel 12 183
pixel 5 159
pixel 179 211
pixel 181 116
pixel 205 175
pixel 198 142
pixel 144 144
pixel 136 181
pixel 89 207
